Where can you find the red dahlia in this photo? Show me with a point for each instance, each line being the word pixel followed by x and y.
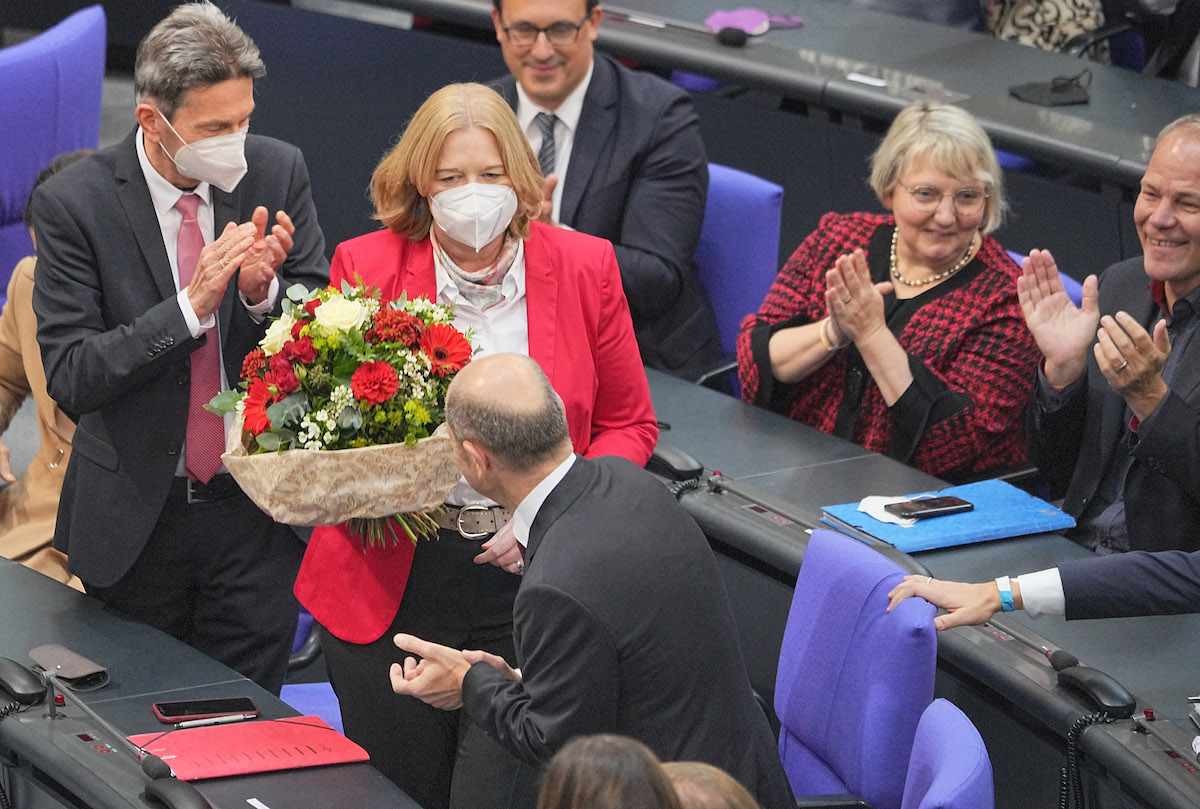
pixel 392 325
pixel 447 349
pixel 374 382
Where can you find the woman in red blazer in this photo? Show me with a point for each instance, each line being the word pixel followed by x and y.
pixel 458 194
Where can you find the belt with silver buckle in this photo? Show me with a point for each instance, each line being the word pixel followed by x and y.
pixel 218 488
pixel 474 521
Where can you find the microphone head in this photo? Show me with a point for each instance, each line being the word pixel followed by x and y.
pixel 733 37
pixel 155 767
pixel 1060 660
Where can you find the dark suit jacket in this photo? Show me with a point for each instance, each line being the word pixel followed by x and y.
pixel 622 625
pixel 1135 583
pixel 115 344
pixel 1074 445
pixel 638 177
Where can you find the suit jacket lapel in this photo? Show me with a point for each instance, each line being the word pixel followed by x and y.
pixel 134 196
pixel 541 301
pixel 596 123
pixel 579 478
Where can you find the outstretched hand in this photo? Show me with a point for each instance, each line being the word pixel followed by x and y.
pixel 965 604
pixel 1062 331
pixel 436 679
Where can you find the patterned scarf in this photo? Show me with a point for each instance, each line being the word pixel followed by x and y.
pixel 481 288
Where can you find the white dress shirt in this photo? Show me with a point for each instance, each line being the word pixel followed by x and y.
pixel 164 196
pixel 568 113
pixel 525 514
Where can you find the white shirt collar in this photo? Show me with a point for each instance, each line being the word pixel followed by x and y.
pixel 568 111
pixel 512 285
pixel 524 516
pixel 162 193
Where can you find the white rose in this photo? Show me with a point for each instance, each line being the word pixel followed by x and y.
pixel 278 333
pixel 339 314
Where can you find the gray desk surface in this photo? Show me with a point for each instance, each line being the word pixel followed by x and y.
pixel 1154 657
pixel 145 666
pixel 1109 138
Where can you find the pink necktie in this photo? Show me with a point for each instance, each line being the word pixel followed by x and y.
pixel 205 430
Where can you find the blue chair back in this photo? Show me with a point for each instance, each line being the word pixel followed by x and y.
pixel 853 678
pixel 50 89
pixel 949 768
pixel 738 253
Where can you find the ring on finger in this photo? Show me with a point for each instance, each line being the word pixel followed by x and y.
pixel 222 262
pixel 1122 366
pixel 520 566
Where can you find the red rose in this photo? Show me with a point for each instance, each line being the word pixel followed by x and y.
pixel 447 349
pixel 374 382
pixel 393 325
pixel 296 327
pixel 258 399
pixel 281 375
pixel 311 306
pixel 255 361
pixel 301 350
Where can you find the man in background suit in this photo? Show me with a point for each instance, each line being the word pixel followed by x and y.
pixel 157 268
pixel 622 624
pixel 1115 417
pixel 624 160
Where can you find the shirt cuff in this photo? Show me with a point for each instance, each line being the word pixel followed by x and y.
pixel 1051 399
pixel 258 311
pixel 195 325
pixel 1042 593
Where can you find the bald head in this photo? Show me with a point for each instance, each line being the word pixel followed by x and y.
pixel 506 405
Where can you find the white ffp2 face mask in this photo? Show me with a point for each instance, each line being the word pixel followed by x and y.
pixel 219 160
pixel 474 214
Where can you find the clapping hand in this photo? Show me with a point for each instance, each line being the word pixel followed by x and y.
pixel 1062 331
pixel 266 254
pixel 853 301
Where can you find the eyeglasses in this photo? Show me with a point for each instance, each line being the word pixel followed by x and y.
pixel 967 201
pixel 559 33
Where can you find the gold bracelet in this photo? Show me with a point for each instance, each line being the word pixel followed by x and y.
pixel 826 340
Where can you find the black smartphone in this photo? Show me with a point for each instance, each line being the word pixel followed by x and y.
pixel 184 710
pixel 929 507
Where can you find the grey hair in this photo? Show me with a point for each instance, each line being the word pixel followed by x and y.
pixel 952 141
pixel 518 437
pixel 195 46
pixel 1189 121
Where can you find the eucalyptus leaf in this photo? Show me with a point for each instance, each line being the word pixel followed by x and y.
pixel 268 441
pixel 289 410
pixel 350 419
pixel 224 402
pixel 298 293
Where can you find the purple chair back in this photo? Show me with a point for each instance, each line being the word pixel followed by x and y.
pixel 950 768
pixel 853 678
pixel 50 89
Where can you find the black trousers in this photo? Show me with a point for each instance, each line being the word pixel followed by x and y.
pixel 218 576
pixel 440 758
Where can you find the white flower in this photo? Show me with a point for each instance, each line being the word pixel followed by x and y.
pixel 278 333
pixel 340 314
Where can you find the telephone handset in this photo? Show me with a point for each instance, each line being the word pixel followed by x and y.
pixel 20 683
pixel 1099 690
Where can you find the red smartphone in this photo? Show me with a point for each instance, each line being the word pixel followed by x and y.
pixel 929 507
pixel 184 710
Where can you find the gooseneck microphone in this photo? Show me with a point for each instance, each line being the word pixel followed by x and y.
pixel 152 765
pixel 1060 660
pixel 733 37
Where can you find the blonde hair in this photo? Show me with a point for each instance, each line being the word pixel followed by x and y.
pixel 406 172
pixel 952 142
pixel 703 786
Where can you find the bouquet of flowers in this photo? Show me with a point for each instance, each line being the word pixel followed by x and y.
pixel 341 370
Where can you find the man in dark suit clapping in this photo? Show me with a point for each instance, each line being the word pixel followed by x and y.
pixel 622 624
pixel 160 259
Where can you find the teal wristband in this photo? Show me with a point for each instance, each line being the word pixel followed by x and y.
pixel 1006 599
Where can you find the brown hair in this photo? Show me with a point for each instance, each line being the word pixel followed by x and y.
pixel 703 786
pixel 606 772
pixel 402 178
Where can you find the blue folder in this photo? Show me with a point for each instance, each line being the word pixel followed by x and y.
pixel 1001 510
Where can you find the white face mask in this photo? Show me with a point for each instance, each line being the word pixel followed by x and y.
pixel 219 160
pixel 475 213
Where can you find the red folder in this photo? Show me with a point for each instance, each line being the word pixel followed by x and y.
pixel 247 747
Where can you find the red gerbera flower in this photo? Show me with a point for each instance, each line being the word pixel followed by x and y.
pixel 258 399
pixel 447 349
pixel 281 375
pixel 255 361
pixel 374 382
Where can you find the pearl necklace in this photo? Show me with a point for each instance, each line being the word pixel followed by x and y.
pixel 966 259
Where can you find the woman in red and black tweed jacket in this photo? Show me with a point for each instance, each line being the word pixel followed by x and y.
pixel 903 333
